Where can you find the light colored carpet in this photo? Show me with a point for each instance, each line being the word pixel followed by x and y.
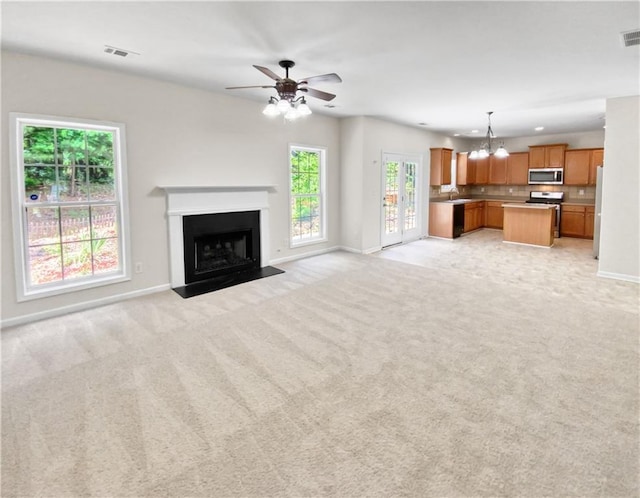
pixel 461 374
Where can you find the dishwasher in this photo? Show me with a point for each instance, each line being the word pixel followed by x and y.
pixel 458 220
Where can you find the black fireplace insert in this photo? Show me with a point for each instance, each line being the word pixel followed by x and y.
pixel 220 244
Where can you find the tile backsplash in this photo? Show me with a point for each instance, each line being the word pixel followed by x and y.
pixel 520 192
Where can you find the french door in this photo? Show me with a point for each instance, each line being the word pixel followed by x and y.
pixel 400 221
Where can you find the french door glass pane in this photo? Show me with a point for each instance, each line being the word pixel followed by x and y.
pixel 410 196
pixel 391 198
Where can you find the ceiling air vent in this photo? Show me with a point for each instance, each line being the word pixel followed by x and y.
pixel 631 38
pixel 118 51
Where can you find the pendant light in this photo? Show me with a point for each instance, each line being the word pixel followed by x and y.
pixel 485 149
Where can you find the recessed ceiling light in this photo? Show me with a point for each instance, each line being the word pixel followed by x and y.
pixel 422 124
pixel 474 131
pixel 456 134
pixel 539 128
pixel 330 106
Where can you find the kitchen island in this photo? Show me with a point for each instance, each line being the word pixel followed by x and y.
pixel 530 224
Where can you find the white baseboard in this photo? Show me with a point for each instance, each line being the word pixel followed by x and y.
pixel 33 317
pixel 371 250
pixel 349 249
pixel 618 276
pixel 303 255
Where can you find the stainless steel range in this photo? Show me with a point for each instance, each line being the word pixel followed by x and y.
pixel 549 198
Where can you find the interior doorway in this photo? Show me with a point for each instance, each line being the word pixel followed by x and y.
pixel 400 201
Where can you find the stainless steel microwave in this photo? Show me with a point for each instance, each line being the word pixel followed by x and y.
pixel 546 176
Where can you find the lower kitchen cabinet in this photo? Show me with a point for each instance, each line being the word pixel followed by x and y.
pixel 473 216
pixel 589 220
pixel 494 214
pixel 575 222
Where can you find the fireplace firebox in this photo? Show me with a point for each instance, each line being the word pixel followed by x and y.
pixel 220 244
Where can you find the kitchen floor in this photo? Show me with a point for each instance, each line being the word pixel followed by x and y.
pixel 567 268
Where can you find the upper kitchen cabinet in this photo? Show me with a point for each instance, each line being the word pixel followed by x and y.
pixel 547 156
pixel 517 168
pixel 580 166
pixel 597 159
pixel 441 166
pixel 481 167
pixel 465 169
pixel 497 170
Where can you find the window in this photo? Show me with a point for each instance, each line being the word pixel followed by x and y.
pixel 307 171
pixel 69 204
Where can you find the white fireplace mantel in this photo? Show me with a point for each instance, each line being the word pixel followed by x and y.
pixel 186 200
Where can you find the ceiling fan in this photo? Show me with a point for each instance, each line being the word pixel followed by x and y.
pixel 288 103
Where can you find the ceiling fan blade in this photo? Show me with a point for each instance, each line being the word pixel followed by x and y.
pixel 255 86
pixel 319 94
pixel 321 78
pixel 268 72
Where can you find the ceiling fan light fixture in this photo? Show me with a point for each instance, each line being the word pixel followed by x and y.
pixel 292 114
pixel 271 109
pixel 303 108
pixel 283 106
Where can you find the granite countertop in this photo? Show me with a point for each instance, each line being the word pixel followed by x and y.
pixel 523 205
pixel 579 203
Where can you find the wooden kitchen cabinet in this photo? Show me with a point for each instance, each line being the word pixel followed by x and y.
pixel 494 214
pixel 597 159
pixel 497 170
pixel 580 166
pixel 576 167
pixel 575 222
pixel 465 169
pixel 441 220
pixel 481 167
pixel 518 168
pixel 589 220
pixel 547 156
pixel 441 166
pixel 473 216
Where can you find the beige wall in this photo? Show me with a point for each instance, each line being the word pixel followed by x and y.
pixel 620 232
pixel 362 165
pixel 175 136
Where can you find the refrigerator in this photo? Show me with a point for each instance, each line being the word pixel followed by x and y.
pixel 598 210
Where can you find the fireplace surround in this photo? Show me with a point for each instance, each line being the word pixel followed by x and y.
pixel 185 202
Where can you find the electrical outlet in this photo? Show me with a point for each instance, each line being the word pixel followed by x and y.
pixel 481 189
pixel 511 191
pixel 138 267
pixel 581 192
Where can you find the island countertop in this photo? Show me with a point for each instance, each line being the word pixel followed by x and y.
pixel 529 206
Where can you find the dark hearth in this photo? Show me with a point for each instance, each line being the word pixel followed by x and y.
pixel 221 250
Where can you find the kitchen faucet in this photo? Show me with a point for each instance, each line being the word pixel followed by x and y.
pixel 454 190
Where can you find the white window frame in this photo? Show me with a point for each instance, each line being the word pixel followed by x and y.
pixel 323 188
pixel 25 291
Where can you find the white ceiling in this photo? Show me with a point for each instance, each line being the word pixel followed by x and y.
pixel 445 64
